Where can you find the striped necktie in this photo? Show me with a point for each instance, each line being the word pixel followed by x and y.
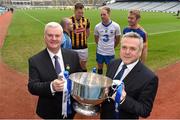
pixel 57 65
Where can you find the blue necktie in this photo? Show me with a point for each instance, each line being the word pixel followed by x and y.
pixel 118 77
pixel 121 72
pixel 57 65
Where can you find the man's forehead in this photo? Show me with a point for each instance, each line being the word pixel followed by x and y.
pixel 131 16
pixel 53 28
pixel 79 10
pixel 53 31
pixel 103 11
pixel 130 40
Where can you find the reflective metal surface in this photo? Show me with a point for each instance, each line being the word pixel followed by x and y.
pixel 86 109
pixel 89 89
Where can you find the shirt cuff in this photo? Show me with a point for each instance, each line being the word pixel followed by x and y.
pixel 51 87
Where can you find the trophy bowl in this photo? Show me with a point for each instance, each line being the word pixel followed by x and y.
pixel 89 90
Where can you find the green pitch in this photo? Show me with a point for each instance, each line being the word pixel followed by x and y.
pixel 25 36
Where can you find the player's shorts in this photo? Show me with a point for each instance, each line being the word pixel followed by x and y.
pixel 104 58
pixel 82 53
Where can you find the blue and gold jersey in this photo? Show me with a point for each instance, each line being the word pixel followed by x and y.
pixel 138 30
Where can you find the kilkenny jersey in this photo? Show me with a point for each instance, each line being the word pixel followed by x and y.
pixel 78 35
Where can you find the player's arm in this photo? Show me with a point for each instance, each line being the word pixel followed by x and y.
pixel 87 32
pixel 117 40
pixel 96 37
pixel 145 51
pixel 96 34
pixel 88 29
pixel 117 36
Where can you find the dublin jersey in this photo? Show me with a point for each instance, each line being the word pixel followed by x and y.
pixel 106 34
pixel 139 30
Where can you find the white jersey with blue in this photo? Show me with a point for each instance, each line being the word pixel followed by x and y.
pixel 106 34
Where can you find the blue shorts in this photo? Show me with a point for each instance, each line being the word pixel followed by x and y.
pixel 104 58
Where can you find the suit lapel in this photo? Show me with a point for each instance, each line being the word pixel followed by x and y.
pixel 114 69
pixel 133 73
pixel 64 58
pixel 49 64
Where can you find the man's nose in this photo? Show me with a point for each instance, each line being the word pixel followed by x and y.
pixel 53 37
pixel 127 51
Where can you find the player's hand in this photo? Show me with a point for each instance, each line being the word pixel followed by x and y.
pixel 58 85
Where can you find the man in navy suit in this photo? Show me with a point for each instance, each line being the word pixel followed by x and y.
pixel 140 83
pixel 43 76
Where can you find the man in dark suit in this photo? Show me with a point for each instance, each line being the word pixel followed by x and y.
pixel 140 83
pixel 44 69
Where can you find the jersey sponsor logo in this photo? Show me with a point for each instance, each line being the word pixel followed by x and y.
pixel 101 31
pixel 79 30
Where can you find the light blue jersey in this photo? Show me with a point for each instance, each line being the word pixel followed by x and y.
pixel 66 42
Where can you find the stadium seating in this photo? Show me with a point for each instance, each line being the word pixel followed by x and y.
pixel 175 8
pixel 28 3
pixel 155 6
pixel 3 10
pixel 150 6
pixel 147 6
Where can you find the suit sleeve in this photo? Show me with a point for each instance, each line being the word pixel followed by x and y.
pixel 143 106
pixel 35 85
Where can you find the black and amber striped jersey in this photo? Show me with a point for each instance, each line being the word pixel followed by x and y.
pixel 78 35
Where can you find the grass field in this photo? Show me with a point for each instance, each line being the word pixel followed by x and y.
pixel 25 36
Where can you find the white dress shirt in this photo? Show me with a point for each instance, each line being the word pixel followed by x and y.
pixel 60 59
pixel 61 62
pixel 126 71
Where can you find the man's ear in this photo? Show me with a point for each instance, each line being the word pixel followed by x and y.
pixel 138 19
pixel 140 52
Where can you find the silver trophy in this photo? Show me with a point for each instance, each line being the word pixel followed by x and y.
pixel 89 90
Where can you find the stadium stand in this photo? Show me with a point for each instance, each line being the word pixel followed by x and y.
pixel 151 6
pixel 19 3
pixel 164 6
pixel 3 9
pixel 27 3
pixel 175 8
pixel 170 6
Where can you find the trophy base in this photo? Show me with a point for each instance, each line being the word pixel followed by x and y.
pixel 87 110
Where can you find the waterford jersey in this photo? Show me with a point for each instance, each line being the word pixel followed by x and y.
pixel 106 34
pixel 78 35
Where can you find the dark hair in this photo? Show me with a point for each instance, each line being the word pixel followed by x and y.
pixel 78 5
